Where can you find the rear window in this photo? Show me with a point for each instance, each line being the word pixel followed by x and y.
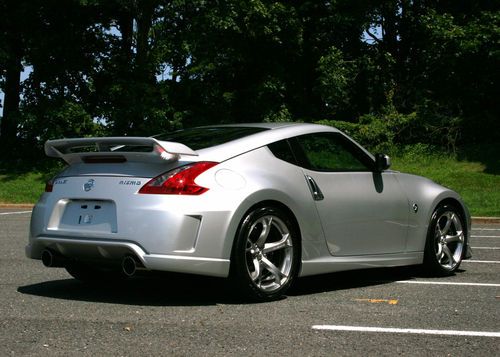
pixel 202 138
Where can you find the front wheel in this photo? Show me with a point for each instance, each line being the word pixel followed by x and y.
pixel 446 241
pixel 266 254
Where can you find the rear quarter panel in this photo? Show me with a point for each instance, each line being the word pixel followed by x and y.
pixel 269 179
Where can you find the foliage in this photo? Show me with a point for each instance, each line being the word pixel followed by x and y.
pixel 335 79
pixel 381 133
pixel 390 72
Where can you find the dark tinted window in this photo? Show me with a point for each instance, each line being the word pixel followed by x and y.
pixel 281 149
pixel 201 138
pixel 332 152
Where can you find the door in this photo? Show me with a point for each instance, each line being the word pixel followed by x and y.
pixel 362 211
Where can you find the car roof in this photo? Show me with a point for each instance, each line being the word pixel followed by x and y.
pixel 278 131
pixel 258 125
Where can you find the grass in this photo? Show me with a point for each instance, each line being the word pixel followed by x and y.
pixel 478 182
pixel 21 187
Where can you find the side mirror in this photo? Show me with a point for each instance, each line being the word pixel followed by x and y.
pixel 382 162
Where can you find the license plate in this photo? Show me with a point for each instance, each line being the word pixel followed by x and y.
pixel 96 216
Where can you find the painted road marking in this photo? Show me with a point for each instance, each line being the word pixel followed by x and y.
pixel 7 213
pixel 378 301
pixel 482 261
pixel 486 229
pixel 485 236
pixel 493 248
pixel 444 283
pixel 406 330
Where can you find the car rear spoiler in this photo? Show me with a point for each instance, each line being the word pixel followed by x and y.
pixel 116 149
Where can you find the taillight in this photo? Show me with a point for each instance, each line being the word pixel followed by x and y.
pixel 179 181
pixel 49 185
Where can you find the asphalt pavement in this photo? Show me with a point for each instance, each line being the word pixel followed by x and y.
pixel 372 312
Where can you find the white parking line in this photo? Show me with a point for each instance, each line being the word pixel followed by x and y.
pixel 423 282
pixel 482 261
pixel 486 229
pixel 491 248
pixel 8 213
pixel 485 236
pixel 406 330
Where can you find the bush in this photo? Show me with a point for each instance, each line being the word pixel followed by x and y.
pixel 377 132
pixel 387 132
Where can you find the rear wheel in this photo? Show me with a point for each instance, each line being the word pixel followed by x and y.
pixel 266 254
pixel 446 241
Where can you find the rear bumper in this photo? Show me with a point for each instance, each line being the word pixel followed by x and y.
pixel 112 250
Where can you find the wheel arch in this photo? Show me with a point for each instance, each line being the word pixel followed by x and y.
pixel 462 210
pixel 275 204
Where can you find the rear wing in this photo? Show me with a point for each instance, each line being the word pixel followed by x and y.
pixel 116 150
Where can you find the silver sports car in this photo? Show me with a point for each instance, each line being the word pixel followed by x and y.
pixel 261 204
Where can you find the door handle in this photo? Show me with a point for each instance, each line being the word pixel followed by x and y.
pixel 315 190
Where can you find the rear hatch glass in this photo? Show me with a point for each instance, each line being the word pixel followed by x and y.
pixel 205 137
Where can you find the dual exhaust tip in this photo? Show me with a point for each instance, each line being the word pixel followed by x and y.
pixel 51 260
pixel 129 265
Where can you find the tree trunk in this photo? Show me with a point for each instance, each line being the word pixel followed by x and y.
pixel 12 89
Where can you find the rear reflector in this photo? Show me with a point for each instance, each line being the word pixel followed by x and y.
pixel 179 181
pixel 49 185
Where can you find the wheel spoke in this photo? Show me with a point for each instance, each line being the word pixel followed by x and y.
pixel 266 228
pixel 284 242
pixel 449 219
pixel 459 237
pixel 448 254
pixel 439 253
pixel 257 271
pixel 278 275
pixel 250 247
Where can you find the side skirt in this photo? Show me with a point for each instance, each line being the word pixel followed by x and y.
pixel 333 264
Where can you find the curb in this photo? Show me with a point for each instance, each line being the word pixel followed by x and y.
pixel 475 220
pixel 485 220
pixel 17 205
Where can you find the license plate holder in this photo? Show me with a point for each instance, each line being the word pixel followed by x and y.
pixel 95 216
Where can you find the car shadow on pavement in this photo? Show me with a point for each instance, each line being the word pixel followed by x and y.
pixel 155 290
pixel 165 289
pixel 353 279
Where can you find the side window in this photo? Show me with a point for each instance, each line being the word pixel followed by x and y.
pixel 332 152
pixel 281 149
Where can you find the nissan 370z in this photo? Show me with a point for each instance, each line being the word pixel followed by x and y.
pixel 260 204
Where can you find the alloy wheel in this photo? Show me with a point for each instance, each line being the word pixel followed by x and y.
pixel 269 253
pixel 449 240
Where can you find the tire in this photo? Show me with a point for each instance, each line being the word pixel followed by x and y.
pixel 446 241
pixel 266 255
pixel 88 274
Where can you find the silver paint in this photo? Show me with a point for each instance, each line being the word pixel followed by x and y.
pixel 346 220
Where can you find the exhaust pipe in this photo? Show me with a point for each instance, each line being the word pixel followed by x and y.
pixel 52 260
pixel 130 265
